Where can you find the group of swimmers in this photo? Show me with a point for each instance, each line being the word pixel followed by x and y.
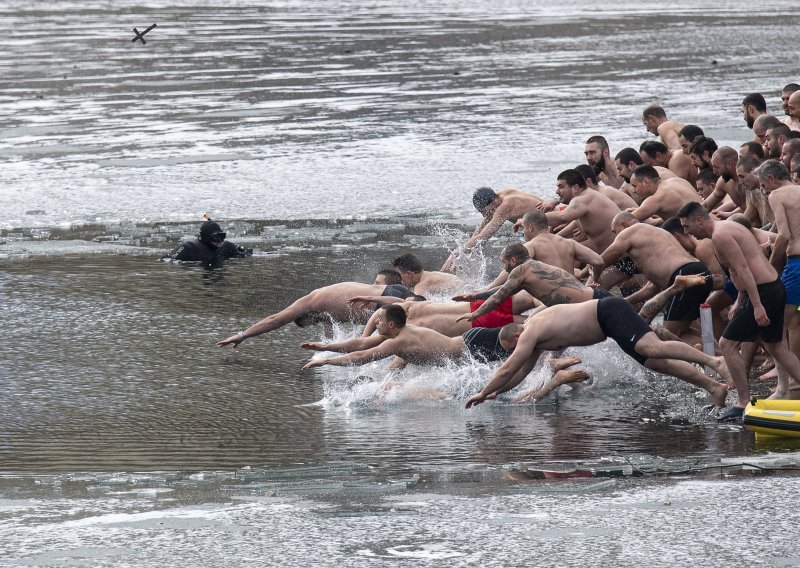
pixel 678 223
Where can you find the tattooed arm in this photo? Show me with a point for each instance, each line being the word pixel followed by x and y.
pixel 516 279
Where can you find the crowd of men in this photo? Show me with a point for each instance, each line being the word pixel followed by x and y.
pixel 678 223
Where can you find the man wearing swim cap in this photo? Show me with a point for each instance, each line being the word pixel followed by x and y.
pixel 496 208
pixel 210 247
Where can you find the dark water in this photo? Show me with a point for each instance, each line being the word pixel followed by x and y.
pixel 330 137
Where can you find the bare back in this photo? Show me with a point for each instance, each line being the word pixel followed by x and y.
pixel 332 300
pixel 668 132
pixel 516 203
pixel 439 317
pixel 549 284
pixel 670 196
pixel 434 282
pixel 553 250
pixel 655 252
pixel 596 211
pixel 619 197
pixel 564 326
pixel 425 346
pixel 733 241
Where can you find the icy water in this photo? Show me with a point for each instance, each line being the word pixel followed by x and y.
pixel 331 137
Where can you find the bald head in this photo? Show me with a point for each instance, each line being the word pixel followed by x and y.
pixel 535 218
pixel 791 148
pixel 794 105
pixel 764 123
pixel 622 220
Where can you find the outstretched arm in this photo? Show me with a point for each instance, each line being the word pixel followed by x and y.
pixel 386 349
pixel 613 253
pixel 484 232
pixel 587 256
pixel 513 285
pixel 347 346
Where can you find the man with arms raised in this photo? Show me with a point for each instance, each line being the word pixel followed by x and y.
pixel 496 208
pixel 661 259
pixel 661 198
pixel 591 322
pixel 655 120
pixel 759 308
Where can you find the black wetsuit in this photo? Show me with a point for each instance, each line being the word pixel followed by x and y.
pixel 484 344
pixel 196 251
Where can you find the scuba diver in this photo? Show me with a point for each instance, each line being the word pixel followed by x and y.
pixel 210 247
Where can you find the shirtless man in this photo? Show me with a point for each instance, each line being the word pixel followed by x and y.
pixel 790 149
pixel 793 105
pixel 759 307
pixel 548 284
pixel 774 139
pixel 723 163
pixel 762 124
pixel 784 197
pixel 386 277
pixel 706 182
pixel 551 249
pixel 413 344
pixel 661 259
pixel 619 197
pixel 753 106
pixel 591 210
pixel 752 148
pixel 598 156
pixel 588 323
pixel 661 198
pixel 627 160
pixel 758 210
pixel 444 317
pixel 324 305
pixel 655 153
pixel 424 282
pixel 496 208
pixel 656 122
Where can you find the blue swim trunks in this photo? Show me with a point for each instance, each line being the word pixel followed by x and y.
pixel 791 279
pixel 730 289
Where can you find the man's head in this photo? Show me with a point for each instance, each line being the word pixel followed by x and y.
pixel 409 267
pixel 774 140
pixel 723 162
pixel 753 105
pixel 706 182
pixel 772 174
pixel 652 117
pixel 391 319
pixel 387 277
pixel 744 171
pixel 673 227
pixel 513 255
pixel 533 222
pixel 645 180
pixel 763 123
pixel 509 335
pixel 796 170
pixel 701 151
pixel 211 234
pixel 687 135
pixel 589 175
pixel 695 220
pixel 654 153
pixel 794 105
pixel 485 200
pixel 752 148
pixel 790 149
pixel 596 152
pixel 622 221
pixel 569 183
pixel 787 92
pixel 626 161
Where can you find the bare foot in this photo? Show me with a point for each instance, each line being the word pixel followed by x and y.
pixel 722 370
pixel 718 395
pixel 563 362
pixel 770 375
pixel 689 280
pixel 570 376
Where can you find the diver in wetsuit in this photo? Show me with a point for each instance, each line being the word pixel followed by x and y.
pixel 210 247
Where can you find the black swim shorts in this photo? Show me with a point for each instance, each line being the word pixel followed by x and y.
pixel 620 322
pixel 397 291
pixel 627 266
pixel 686 305
pixel 599 293
pixel 743 326
pixel 484 344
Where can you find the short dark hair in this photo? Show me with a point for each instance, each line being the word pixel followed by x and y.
pixel 587 172
pixel 742 219
pixel 396 314
pixel 748 163
pixel 707 175
pixel 572 177
pixel 515 250
pixel 392 276
pixel 754 149
pixel 757 100
pixel 482 197
pixel 407 262
pixel 628 155
pixel 673 225
pixel 690 132
pixel 791 88
pixel 600 140
pixel 692 209
pixel 648 172
pixel 654 110
pixel 652 148
pixel 535 217
pixel 781 130
pixel 703 144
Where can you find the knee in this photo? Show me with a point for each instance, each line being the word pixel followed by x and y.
pixel 728 347
pixel 649 346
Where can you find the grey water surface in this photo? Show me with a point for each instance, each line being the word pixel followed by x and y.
pixel 331 137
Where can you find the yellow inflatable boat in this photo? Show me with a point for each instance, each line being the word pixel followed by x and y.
pixel 773 417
